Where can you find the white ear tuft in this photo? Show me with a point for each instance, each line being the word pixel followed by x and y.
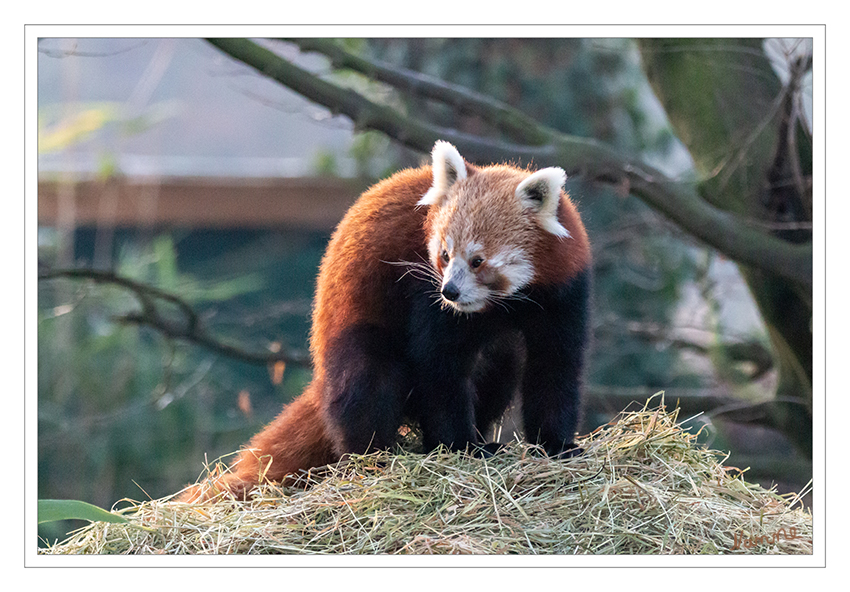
pixel 551 225
pixel 541 192
pixel 448 167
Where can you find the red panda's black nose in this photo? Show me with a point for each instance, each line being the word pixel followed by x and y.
pixel 450 292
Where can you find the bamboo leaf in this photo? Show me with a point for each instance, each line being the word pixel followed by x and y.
pixel 51 510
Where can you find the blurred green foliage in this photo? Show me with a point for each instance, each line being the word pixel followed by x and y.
pixel 62 127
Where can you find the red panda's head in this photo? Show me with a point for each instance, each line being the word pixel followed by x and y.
pixel 483 227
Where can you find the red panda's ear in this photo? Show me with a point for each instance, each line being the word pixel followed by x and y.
pixel 448 167
pixel 541 192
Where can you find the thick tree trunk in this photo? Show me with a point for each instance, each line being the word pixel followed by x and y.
pixel 734 115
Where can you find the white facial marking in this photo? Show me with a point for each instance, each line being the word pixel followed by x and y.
pixel 435 245
pixel 515 266
pixel 498 260
pixel 472 296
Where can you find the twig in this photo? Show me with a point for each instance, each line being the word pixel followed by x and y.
pixel 516 124
pixel 189 330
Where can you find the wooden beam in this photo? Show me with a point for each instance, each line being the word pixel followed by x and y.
pixel 314 203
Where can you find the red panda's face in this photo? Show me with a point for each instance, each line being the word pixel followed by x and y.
pixel 479 244
pixel 483 225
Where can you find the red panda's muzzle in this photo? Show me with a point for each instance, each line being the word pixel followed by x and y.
pixel 450 292
pixel 461 289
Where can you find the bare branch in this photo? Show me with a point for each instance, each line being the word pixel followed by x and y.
pixel 712 401
pixel 678 200
pixel 736 350
pixel 143 292
pixel 514 123
pixel 188 328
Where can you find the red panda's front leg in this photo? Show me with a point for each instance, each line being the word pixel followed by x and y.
pixel 446 401
pixel 442 355
pixel 556 335
pixel 497 376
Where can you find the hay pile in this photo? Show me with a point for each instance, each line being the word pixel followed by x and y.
pixel 642 487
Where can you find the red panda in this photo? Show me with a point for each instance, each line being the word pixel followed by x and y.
pixel 443 291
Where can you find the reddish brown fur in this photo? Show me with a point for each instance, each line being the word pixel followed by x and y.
pixel 384 225
pixel 557 260
pixel 357 256
pixel 298 439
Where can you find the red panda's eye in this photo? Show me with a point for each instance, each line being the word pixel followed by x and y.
pixel 475 263
pixel 444 256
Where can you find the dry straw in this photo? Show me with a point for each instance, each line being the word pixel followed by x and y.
pixel 643 486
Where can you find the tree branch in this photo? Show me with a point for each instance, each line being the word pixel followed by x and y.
pixel 513 122
pixel 678 200
pixel 189 330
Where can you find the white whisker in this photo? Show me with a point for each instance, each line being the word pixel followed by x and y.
pixel 498 300
pixel 421 271
pixel 522 298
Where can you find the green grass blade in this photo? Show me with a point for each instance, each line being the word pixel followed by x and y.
pixel 52 510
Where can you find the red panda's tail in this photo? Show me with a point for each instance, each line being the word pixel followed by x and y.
pixel 296 440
